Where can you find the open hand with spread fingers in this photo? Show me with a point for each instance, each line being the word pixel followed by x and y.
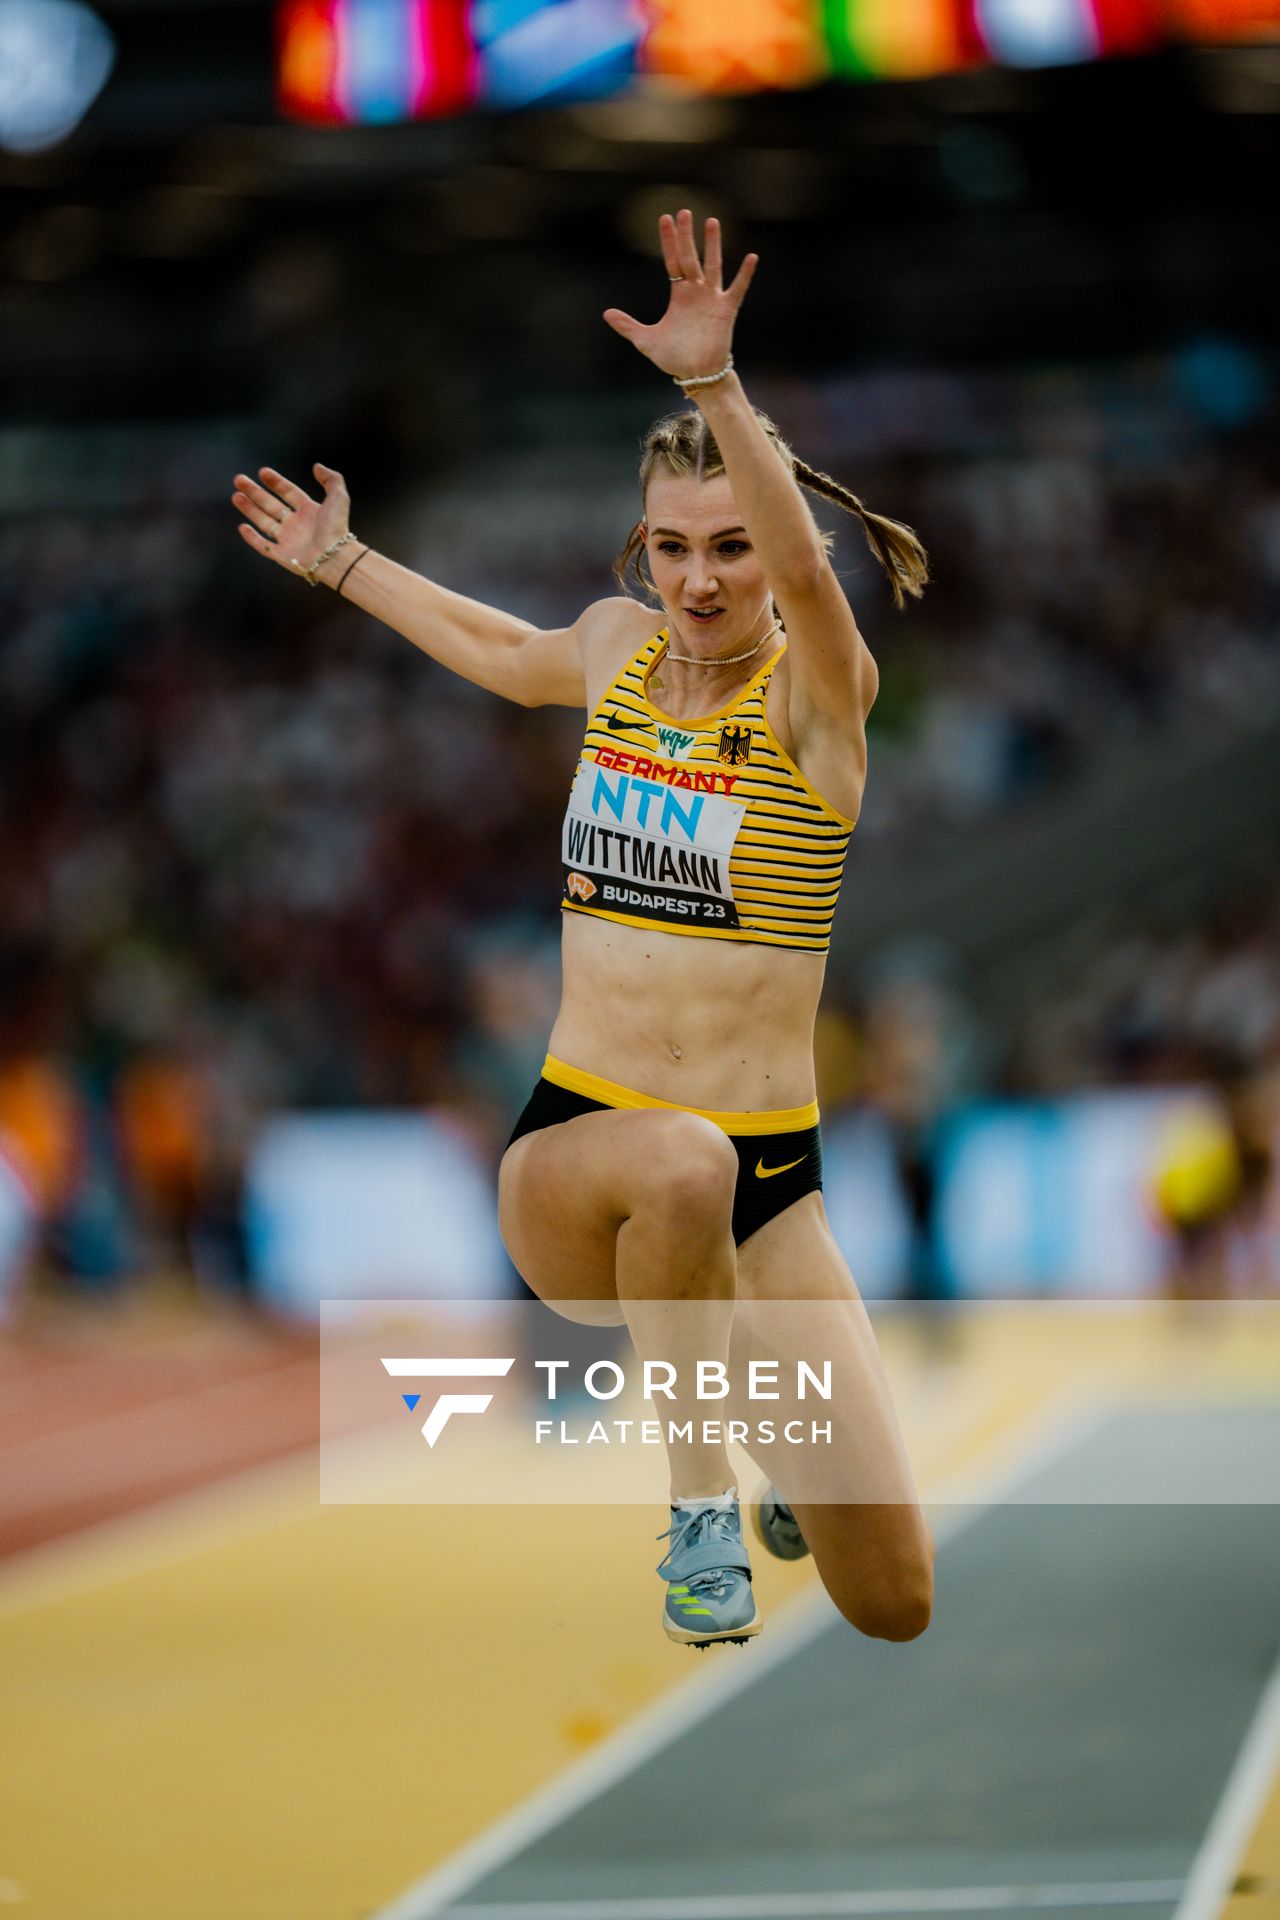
pixel 695 334
pixel 286 525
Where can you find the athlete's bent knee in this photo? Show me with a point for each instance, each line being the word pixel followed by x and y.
pixel 898 1612
pixel 687 1168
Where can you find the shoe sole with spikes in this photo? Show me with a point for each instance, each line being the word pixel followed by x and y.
pixel 731 1636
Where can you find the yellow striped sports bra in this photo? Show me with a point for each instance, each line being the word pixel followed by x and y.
pixel 702 826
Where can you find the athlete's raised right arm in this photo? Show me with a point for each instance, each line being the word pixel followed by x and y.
pixel 496 650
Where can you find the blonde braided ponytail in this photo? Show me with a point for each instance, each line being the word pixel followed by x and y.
pixel 894 545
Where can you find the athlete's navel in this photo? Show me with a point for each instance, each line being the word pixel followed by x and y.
pixel 677 1053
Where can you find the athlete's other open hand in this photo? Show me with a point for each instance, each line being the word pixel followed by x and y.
pixel 695 333
pixel 285 524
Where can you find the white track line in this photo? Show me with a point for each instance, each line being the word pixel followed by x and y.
pixel 835 1906
pixel 1214 1868
pixel 1059 1426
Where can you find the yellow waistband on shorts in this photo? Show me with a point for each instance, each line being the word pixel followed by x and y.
pixel 611 1094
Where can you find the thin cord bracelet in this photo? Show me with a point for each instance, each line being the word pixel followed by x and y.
pixel 354 564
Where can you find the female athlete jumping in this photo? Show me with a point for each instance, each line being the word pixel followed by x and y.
pixel 670 1151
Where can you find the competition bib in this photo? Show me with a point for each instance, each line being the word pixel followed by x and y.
pixel 639 845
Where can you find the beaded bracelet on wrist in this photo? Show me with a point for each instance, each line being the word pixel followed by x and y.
pixel 309 573
pixel 704 379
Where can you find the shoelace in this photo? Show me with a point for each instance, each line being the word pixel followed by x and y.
pixel 699 1529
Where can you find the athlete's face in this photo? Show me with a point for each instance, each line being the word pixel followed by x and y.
pixel 703 563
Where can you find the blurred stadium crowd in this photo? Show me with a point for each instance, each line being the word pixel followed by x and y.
pixel 257 852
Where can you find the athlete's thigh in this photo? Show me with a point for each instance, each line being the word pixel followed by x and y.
pixel 560 1204
pixel 565 1191
pixel 878 1536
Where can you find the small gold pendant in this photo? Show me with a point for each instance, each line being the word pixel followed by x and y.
pixel 655 682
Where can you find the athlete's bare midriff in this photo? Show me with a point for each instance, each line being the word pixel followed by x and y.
pixel 721 1024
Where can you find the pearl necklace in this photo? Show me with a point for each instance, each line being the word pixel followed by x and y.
pixel 724 659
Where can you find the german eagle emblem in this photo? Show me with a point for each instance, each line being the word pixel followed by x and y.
pixel 735 746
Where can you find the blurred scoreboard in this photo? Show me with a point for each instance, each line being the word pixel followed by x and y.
pixel 342 62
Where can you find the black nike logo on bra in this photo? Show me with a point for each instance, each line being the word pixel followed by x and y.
pixel 617 726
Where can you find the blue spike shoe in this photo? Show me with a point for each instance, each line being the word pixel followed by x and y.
pixel 709 1595
pixel 775 1526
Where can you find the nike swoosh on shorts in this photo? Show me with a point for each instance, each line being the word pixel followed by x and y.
pixel 767 1173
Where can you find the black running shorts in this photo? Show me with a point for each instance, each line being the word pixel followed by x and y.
pixel 774 1169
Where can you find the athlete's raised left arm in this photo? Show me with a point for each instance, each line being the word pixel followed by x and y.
pixel 833 676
